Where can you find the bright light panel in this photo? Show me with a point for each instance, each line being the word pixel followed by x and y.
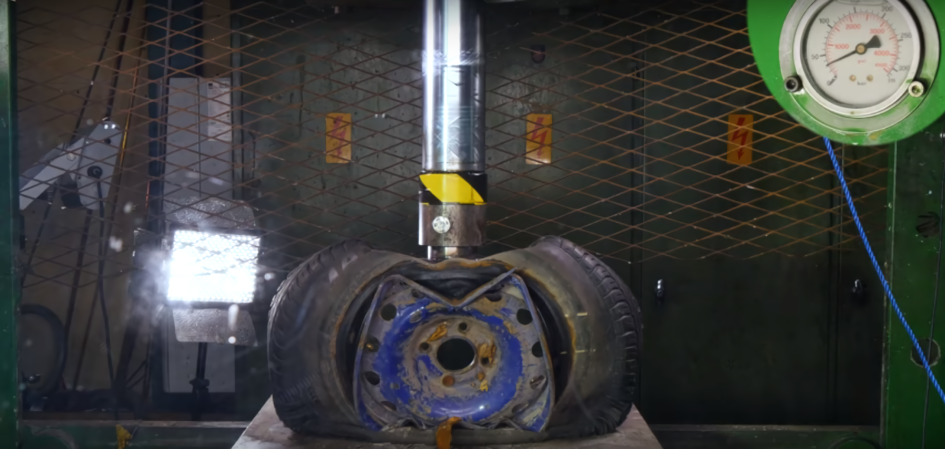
pixel 207 267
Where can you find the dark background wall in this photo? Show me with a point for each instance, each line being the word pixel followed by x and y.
pixel 758 323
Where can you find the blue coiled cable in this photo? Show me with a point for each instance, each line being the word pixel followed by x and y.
pixel 879 272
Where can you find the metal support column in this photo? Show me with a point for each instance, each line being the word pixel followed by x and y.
pixel 915 179
pixel 174 32
pixel 9 233
pixel 453 199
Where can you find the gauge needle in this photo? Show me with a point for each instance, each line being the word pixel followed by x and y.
pixel 860 49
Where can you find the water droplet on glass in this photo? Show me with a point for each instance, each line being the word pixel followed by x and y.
pixel 231 340
pixel 129 206
pixel 231 315
pixel 269 276
pixel 115 243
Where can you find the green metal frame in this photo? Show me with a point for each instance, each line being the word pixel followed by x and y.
pixel 913 190
pixel 9 232
pixel 914 186
pixel 915 175
pixel 912 115
pixel 767 437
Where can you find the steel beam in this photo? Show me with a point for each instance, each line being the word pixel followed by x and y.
pixel 9 232
pixel 915 179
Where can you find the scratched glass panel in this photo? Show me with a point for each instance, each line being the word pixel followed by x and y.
pixel 637 132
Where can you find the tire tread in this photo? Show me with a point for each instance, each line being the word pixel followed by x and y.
pixel 297 405
pixel 617 298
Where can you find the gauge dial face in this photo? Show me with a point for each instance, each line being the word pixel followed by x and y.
pixel 857 57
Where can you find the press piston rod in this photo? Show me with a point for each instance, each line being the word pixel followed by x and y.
pixel 453 195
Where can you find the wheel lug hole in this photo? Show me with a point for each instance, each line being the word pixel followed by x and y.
pixel 388 312
pixel 372 378
pixel 449 381
pixel 424 346
pixel 523 316
pixel 463 327
pixel 485 361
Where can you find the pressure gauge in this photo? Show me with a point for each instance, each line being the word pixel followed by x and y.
pixel 858 58
pixel 857 71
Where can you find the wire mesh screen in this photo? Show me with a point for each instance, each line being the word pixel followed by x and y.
pixel 637 132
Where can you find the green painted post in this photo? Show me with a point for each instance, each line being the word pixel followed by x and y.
pixel 914 188
pixel 9 229
pixel 915 178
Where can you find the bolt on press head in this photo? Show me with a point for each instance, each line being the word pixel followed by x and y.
pixel 441 225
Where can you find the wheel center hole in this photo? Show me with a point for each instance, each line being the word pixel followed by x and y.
pixel 455 354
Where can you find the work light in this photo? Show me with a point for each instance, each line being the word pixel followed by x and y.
pixel 217 266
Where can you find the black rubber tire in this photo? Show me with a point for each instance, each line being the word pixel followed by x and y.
pixel 324 298
pixel 604 412
pixel 298 321
pixel 51 379
pixel 317 309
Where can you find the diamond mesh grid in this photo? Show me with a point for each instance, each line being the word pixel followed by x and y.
pixel 230 100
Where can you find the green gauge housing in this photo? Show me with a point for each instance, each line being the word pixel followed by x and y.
pixel 861 72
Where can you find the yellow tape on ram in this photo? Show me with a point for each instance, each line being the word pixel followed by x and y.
pixel 453 188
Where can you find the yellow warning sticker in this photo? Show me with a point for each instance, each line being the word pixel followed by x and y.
pixel 538 139
pixel 451 188
pixel 740 138
pixel 338 138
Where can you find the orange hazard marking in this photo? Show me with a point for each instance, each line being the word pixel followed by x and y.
pixel 338 138
pixel 740 135
pixel 538 139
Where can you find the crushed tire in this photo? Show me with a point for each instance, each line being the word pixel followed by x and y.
pixel 316 317
pixel 604 410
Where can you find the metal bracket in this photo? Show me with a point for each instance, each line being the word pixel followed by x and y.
pixel 95 153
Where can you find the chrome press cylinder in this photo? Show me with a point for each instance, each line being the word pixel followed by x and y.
pixel 453 196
